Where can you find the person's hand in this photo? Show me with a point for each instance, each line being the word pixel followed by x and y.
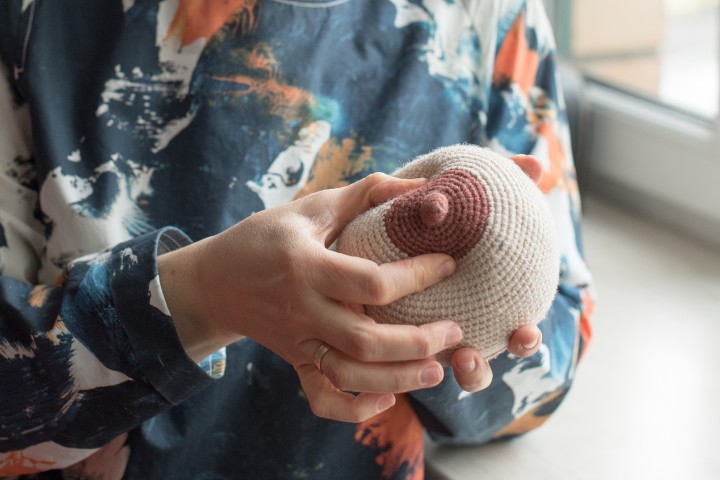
pixel 271 277
pixel 472 372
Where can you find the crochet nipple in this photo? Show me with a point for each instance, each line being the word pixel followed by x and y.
pixel 447 215
pixel 434 209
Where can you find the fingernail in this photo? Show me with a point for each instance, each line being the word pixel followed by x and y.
pixel 530 345
pixel 453 336
pixel 446 268
pixel 431 375
pixel 467 367
pixel 486 377
pixel 385 402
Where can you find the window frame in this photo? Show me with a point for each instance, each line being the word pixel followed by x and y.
pixel 654 158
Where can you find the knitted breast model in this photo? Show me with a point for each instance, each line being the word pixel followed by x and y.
pixel 483 210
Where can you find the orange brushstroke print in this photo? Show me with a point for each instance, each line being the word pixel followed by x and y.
pixel 398 434
pixel 38 296
pixel 58 329
pixel 516 61
pixel 17 463
pixel 281 97
pixel 336 161
pixel 203 18
pixel 283 100
pixel 518 64
pixel 553 174
pixel 529 421
pixel 543 117
pixel 585 325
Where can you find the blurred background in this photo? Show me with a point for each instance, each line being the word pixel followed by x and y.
pixel 642 84
pixel 642 79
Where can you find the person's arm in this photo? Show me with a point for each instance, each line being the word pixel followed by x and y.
pixel 90 356
pixel 526 115
pixel 98 353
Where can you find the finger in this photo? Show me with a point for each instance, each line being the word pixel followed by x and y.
pixel 326 401
pixel 530 165
pixel 472 372
pixel 349 374
pixel 359 280
pixel 392 187
pixel 335 208
pixel 525 341
pixel 361 338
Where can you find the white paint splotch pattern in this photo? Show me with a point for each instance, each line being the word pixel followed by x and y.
pixel 77 227
pixel 455 43
pixel 289 172
pixel 130 86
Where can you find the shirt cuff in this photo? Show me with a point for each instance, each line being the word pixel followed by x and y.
pixel 214 364
pixel 116 308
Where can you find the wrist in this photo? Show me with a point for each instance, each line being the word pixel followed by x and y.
pixel 178 273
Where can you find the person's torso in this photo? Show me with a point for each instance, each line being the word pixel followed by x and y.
pixel 197 114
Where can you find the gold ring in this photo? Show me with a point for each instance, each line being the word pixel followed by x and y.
pixel 319 355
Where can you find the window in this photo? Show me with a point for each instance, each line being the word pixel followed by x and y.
pixel 652 75
pixel 666 50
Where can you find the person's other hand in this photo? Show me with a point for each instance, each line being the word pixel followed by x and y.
pixel 472 372
pixel 272 277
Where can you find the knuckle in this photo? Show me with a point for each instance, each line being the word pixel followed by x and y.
pixel 375 179
pixel 399 381
pixel 423 343
pixel 326 269
pixel 423 276
pixel 363 344
pixel 378 289
pixel 319 405
pixel 338 377
pixel 287 261
pixel 293 250
pixel 319 409
pixel 330 264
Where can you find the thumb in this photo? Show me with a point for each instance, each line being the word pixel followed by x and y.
pixel 335 208
pixel 530 165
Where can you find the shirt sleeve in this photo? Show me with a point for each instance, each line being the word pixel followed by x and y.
pixel 525 114
pixel 92 355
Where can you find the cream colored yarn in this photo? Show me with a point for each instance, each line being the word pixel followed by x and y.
pixel 506 280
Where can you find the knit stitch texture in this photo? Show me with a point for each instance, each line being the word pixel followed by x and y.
pixel 482 209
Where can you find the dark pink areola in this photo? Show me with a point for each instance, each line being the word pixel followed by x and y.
pixel 447 215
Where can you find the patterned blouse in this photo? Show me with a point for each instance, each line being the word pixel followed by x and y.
pixel 130 127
